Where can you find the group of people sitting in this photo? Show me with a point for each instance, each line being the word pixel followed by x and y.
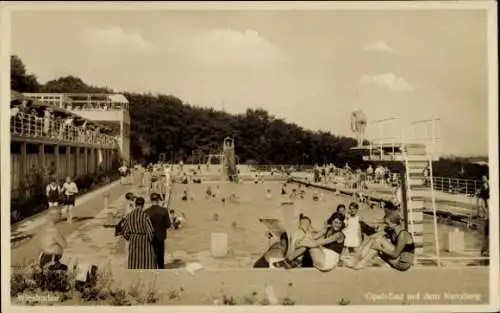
pixel 343 232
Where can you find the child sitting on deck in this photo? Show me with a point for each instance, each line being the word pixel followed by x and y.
pixel 177 220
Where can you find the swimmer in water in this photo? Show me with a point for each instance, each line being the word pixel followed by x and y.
pixel 315 196
pixel 283 189
pixel 233 197
pixel 208 192
pixel 301 192
pixel 268 194
pixel 184 195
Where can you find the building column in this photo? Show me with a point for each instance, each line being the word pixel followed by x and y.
pixel 78 162
pixel 92 161
pixel 110 158
pixel 22 167
pixel 86 160
pixel 105 157
pixel 56 154
pixel 41 159
pixel 68 160
pixel 41 155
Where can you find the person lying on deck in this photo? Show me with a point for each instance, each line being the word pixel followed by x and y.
pixel 398 251
pixel 324 248
pixel 278 250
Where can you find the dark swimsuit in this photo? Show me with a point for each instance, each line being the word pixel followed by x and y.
pixel 336 246
pixel 53 195
pixel 402 264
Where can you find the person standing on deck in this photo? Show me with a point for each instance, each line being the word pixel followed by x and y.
pixel 70 190
pixel 358 125
pixel 483 195
pixel 164 189
pixel 139 232
pixel 53 193
pixel 161 222
pixel 369 173
pixel 123 173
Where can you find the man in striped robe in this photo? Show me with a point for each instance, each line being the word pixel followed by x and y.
pixel 138 230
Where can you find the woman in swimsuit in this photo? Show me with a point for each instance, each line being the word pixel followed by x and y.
pixel 398 250
pixel 324 248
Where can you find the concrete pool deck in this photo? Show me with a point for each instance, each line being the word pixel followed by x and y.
pixel 93 243
pixel 232 276
pixel 375 286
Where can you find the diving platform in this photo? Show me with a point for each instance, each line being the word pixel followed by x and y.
pixel 396 152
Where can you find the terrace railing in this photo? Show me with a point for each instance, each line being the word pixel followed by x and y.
pixel 31 126
pixel 457 185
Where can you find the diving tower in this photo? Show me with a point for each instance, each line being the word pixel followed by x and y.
pixel 415 145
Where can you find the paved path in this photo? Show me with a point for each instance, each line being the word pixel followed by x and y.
pixel 25 242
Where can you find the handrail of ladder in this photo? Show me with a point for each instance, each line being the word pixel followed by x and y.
pixel 434 211
pixel 408 194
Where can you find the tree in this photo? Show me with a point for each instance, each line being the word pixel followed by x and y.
pixel 20 80
pixel 71 84
pixel 166 124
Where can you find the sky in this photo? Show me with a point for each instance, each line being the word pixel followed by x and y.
pixel 311 67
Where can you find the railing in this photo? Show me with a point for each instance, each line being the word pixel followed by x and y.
pixel 278 167
pixel 457 185
pixel 31 126
pixel 431 135
pixel 393 131
pixel 388 133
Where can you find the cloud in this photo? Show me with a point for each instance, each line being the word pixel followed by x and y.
pixel 379 46
pixel 116 38
pixel 387 81
pixel 231 48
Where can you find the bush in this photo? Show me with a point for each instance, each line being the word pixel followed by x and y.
pixel 32 280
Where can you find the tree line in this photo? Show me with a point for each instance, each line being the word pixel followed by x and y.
pixel 166 124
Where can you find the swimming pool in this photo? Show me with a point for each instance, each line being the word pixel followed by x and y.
pixel 240 221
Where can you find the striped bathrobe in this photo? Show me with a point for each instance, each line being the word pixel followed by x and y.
pixel 138 230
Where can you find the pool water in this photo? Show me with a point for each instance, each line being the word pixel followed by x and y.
pixel 239 219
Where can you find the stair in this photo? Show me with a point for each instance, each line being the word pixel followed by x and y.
pixel 416 160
